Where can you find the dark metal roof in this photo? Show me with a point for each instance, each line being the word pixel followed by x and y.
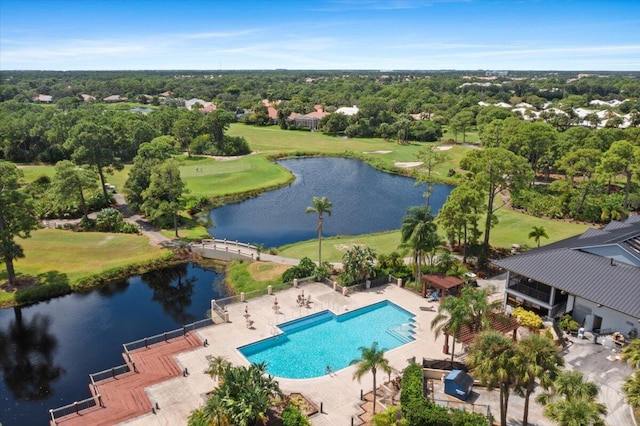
pixel 625 234
pixel 612 284
pixel 597 278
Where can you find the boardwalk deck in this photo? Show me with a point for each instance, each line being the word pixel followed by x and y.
pixel 124 397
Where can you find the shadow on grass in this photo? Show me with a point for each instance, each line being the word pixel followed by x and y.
pixel 49 284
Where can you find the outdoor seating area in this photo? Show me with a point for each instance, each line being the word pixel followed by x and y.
pixel 303 301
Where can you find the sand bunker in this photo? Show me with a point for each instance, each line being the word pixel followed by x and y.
pixel 377 152
pixel 443 147
pixel 408 164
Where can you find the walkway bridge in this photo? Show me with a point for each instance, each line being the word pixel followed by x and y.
pixel 223 249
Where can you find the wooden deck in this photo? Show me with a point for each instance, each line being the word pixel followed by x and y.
pixel 124 397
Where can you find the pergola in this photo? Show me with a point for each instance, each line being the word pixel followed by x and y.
pixel 499 322
pixel 443 283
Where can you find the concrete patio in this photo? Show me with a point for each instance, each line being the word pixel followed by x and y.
pixel 339 394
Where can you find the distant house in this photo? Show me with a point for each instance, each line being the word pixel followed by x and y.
pixel 594 276
pixel 309 121
pixel 114 99
pixel 273 114
pixel 348 110
pixel 42 99
pixel 191 103
pixel 87 98
pixel 524 105
pixel 207 109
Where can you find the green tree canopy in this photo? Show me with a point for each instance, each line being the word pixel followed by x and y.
pixel 493 170
pixel 16 217
pixel 163 199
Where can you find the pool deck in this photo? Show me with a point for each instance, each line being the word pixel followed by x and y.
pixel 338 393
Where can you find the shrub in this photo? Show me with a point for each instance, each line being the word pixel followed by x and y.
pixel 567 323
pixel 304 269
pixel 418 410
pixel 292 416
pixel 109 220
pixel 527 318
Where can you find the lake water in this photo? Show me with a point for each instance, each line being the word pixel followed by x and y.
pixel 365 200
pixel 48 350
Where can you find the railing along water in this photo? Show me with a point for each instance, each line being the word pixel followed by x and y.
pixel 164 337
pixel 96 400
pixel 74 408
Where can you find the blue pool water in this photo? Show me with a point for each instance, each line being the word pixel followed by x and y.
pixel 308 345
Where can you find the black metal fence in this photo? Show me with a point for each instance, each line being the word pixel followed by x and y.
pixel 74 408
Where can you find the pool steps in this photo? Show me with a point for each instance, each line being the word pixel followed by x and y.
pixel 404 333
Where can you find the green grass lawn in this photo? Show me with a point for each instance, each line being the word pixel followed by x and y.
pixel 513 228
pixel 60 257
pixel 221 178
pixel 274 140
pixel 87 254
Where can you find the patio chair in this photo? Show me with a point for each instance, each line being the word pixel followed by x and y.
pixel 308 302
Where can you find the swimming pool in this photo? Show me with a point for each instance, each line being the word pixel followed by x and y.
pixel 308 345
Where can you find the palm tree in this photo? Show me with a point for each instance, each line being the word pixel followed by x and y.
pixel 320 206
pixel 217 367
pixel 631 387
pixel 453 314
pixel 538 232
pixel 631 390
pixel 371 359
pixel 419 232
pixel 242 398
pixel 537 358
pixel 631 353
pixel 392 416
pixel 572 401
pixel 470 310
pixel 576 412
pixel 491 358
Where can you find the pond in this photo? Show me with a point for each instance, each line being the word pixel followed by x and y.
pixel 365 200
pixel 48 350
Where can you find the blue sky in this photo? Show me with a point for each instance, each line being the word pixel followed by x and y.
pixel 320 34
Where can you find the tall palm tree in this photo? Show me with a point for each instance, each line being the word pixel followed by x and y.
pixel 572 401
pixel 419 232
pixel 631 390
pixel 576 412
pixel 491 358
pixel 538 232
pixel 320 206
pixel 471 309
pixel 631 353
pixel 631 387
pixel 453 314
pixel 371 359
pixel 537 358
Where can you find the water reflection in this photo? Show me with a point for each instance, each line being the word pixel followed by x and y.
pixel 27 350
pixel 48 350
pixel 172 288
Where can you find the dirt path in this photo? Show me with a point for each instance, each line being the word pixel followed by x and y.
pixel 155 237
